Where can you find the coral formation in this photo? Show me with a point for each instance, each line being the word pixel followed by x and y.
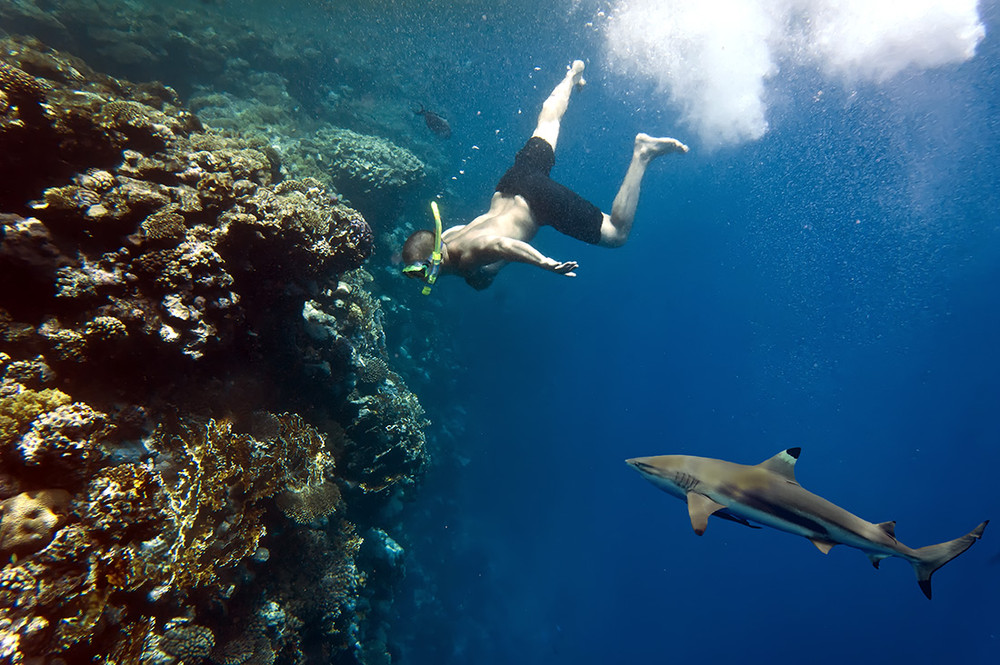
pixel 309 502
pixel 319 236
pixel 200 466
pixel 19 410
pixel 160 233
pixel 72 118
pixel 28 521
pixel 186 38
pixel 186 641
pixel 371 171
pixel 63 441
pixel 195 389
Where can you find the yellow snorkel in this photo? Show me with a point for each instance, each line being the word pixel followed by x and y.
pixel 427 270
pixel 435 265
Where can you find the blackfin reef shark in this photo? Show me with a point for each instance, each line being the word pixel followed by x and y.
pixel 768 494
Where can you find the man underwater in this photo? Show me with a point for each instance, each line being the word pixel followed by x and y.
pixel 527 199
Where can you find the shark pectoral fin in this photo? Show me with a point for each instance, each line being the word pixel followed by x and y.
pixel 700 508
pixel 823 546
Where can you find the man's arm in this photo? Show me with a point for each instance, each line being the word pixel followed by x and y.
pixel 508 249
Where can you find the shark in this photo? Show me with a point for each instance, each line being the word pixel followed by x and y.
pixel 768 494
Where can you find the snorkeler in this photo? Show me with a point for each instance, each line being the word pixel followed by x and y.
pixel 527 199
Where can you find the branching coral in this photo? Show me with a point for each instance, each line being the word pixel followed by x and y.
pixel 125 505
pixel 17 412
pixel 372 369
pixel 390 447
pixel 21 96
pixel 164 224
pixel 216 476
pixel 54 599
pixel 308 502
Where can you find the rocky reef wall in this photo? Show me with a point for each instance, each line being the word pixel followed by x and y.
pixel 204 448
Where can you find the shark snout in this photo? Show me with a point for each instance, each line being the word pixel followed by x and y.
pixel 639 464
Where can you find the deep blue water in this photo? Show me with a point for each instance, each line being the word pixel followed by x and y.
pixel 833 285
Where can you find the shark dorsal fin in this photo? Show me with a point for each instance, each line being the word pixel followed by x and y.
pixel 889 528
pixel 783 464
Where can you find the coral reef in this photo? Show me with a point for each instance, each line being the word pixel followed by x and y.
pixel 28 521
pixel 312 234
pixel 187 521
pixel 386 420
pixel 183 39
pixel 185 641
pixel 72 118
pixel 372 172
pixel 145 249
pixel 198 413
pixel 200 467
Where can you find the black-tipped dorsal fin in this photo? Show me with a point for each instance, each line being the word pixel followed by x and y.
pixel 889 528
pixel 783 464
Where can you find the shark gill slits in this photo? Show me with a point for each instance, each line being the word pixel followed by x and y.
pixel 686 481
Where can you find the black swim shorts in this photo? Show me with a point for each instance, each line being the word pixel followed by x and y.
pixel 552 204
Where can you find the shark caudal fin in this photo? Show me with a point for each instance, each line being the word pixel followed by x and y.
pixel 933 557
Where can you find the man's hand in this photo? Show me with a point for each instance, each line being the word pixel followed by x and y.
pixel 564 268
pixel 501 248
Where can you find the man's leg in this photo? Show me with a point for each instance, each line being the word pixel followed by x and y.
pixel 617 226
pixel 555 106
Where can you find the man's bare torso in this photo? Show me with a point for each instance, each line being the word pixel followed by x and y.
pixel 472 246
pixel 478 250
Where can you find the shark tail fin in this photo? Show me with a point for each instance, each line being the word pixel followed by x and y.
pixel 932 557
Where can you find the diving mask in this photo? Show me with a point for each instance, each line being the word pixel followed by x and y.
pixel 417 270
pixel 428 270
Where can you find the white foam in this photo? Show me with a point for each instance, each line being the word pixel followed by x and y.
pixel 716 58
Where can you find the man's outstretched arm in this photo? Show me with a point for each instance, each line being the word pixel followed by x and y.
pixel 509 249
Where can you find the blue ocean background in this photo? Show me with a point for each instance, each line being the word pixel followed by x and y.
pixel 832 285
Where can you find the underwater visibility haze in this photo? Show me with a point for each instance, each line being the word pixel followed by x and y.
pixel 232 431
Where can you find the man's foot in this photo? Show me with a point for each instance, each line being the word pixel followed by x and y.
pixel 576 73
pixel 648 147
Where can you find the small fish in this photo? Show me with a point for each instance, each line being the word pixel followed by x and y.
pixel 435 123
pixel 768 493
